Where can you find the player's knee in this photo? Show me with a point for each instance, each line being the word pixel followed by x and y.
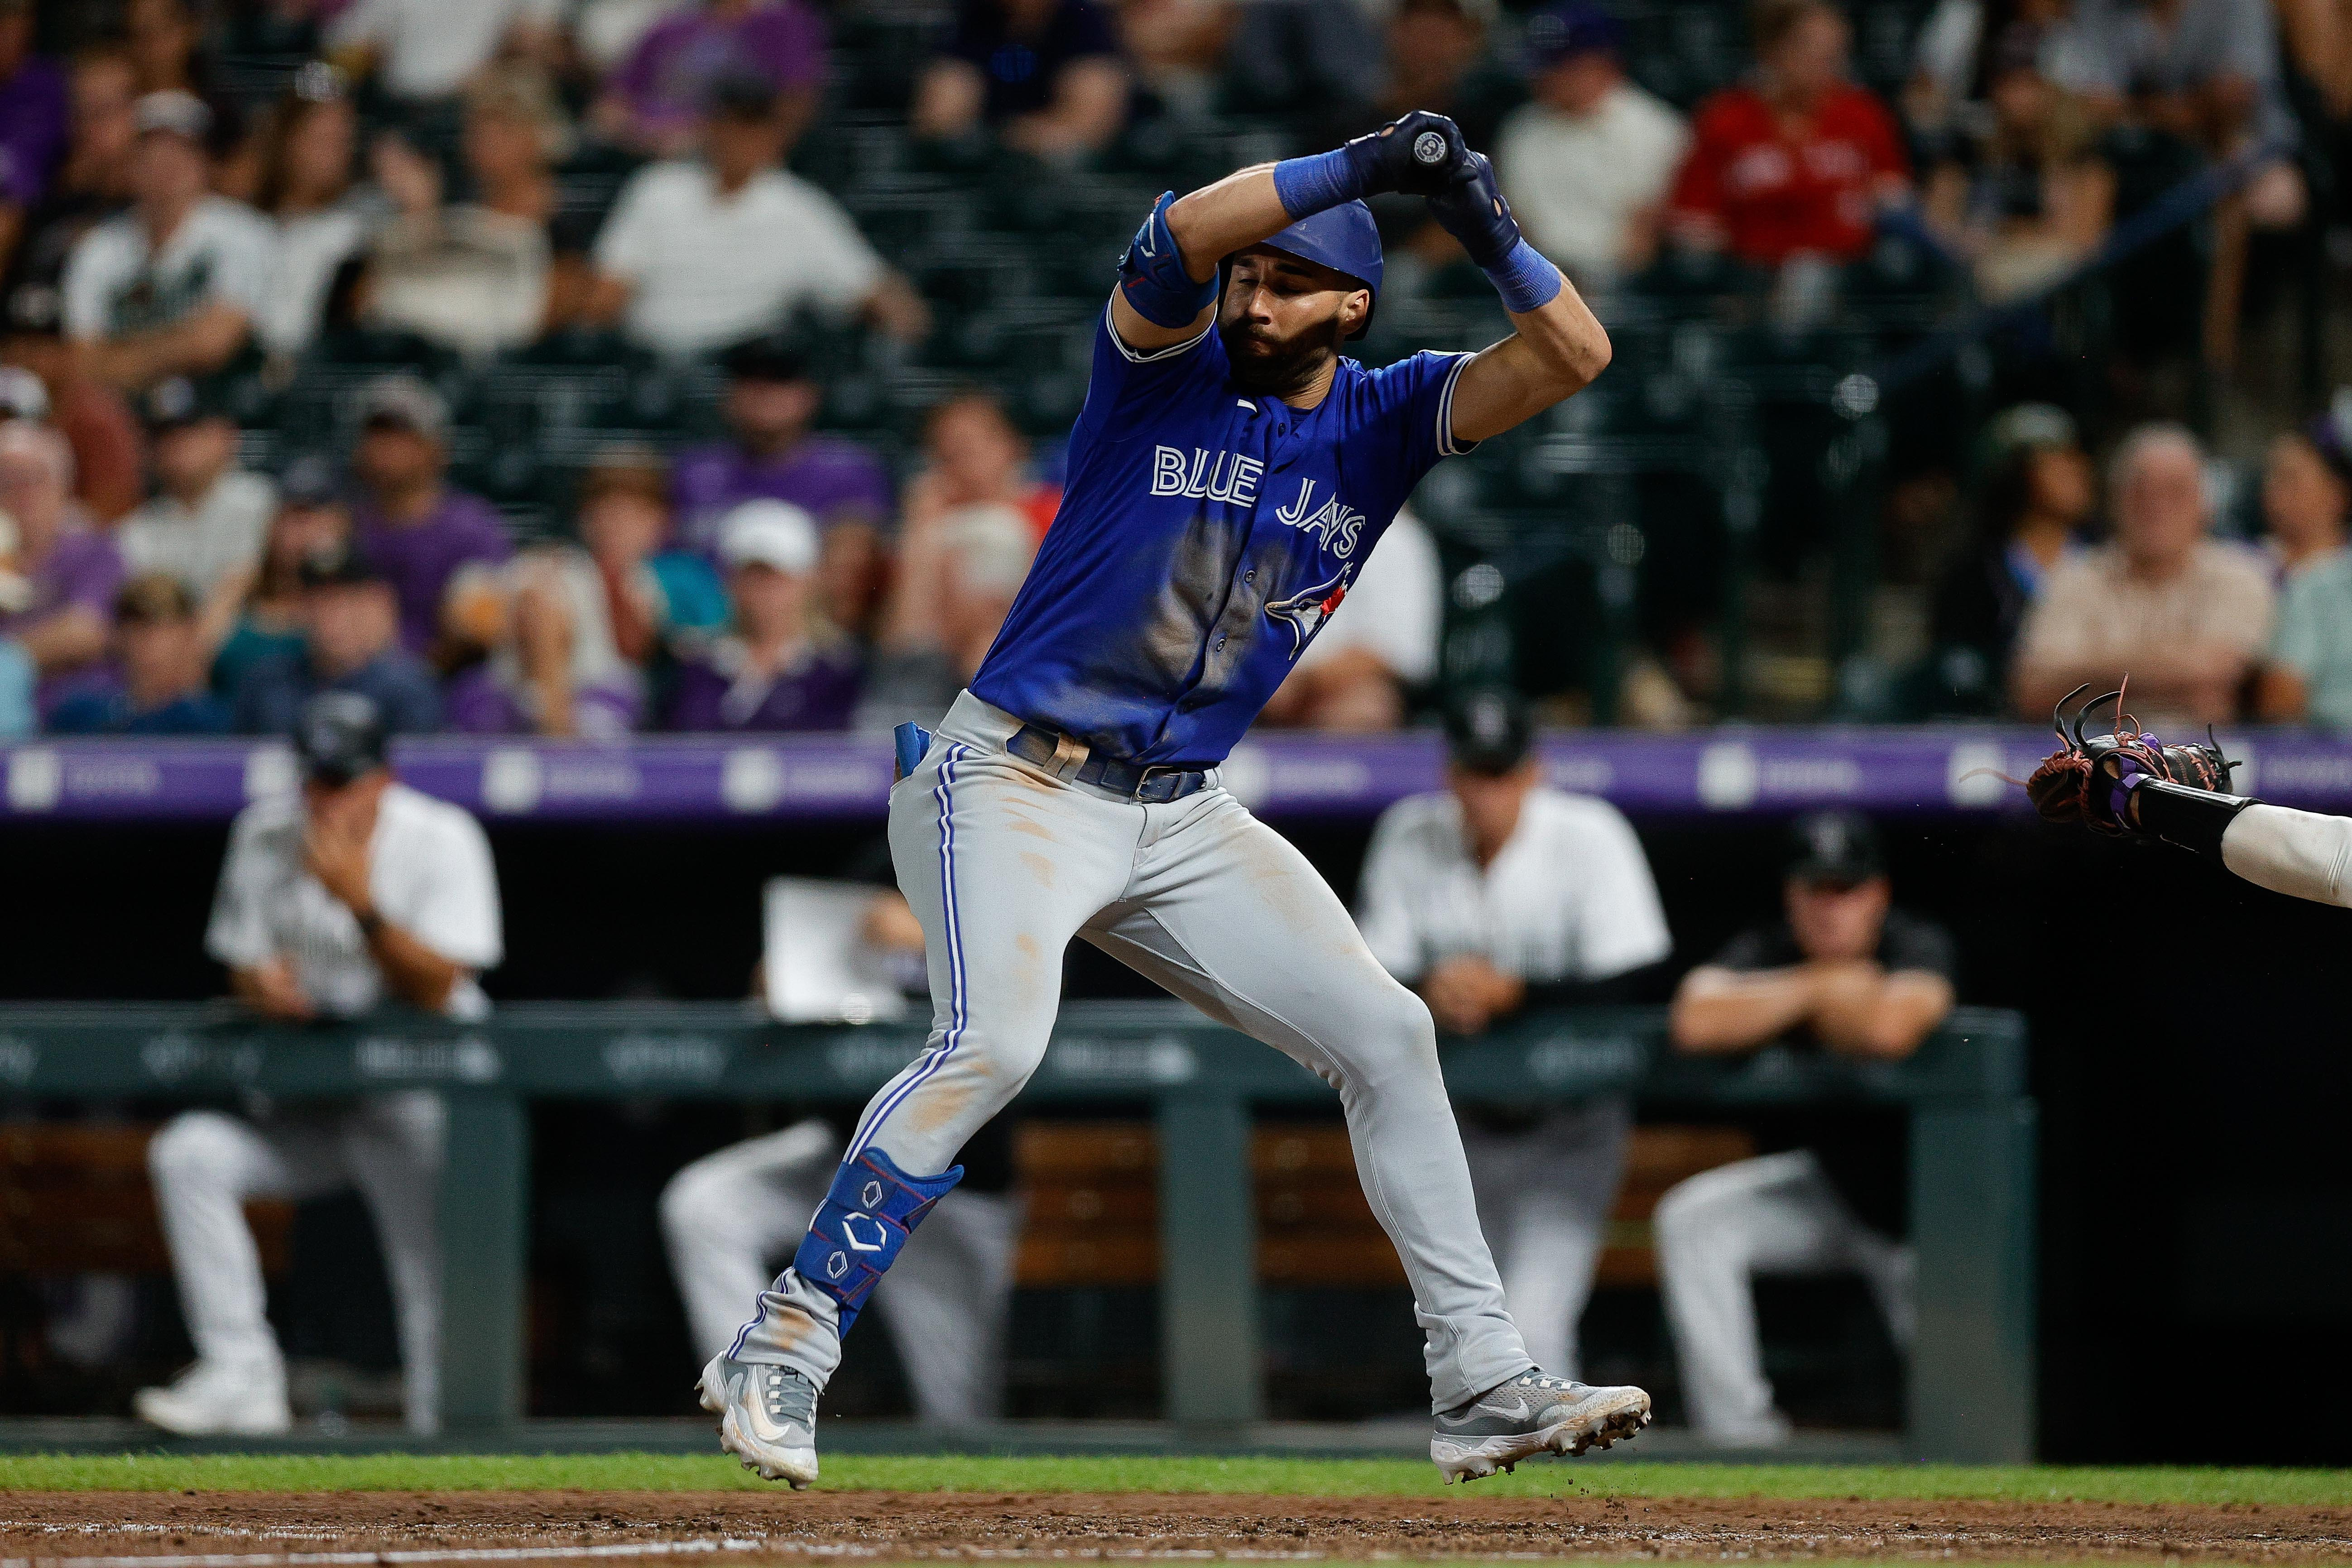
pixel 696 1200
pixel 196 1146
pixel 1392 1024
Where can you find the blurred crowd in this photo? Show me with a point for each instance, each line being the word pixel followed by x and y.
pixel 200 202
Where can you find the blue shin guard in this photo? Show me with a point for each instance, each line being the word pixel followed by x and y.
pixel 866 1218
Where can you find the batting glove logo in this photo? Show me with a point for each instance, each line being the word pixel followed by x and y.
pixel 1429 147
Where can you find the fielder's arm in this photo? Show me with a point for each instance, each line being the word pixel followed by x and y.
pixel 1167 290
pixel 2302 854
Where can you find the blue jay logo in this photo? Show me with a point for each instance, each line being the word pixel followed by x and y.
pixel 1305 611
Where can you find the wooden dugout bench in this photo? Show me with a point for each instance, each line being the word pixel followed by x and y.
pixel 1972 1152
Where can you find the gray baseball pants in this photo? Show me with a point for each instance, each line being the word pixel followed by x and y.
pixel 1004 863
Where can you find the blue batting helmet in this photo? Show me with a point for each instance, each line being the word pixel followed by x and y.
pixel 1343 238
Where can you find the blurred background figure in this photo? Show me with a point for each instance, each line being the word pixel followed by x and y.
pixel 308 191
pixel 552 667
pixel 34 107
pixel 204 522
pixel 266 618
pixel 176 285
pixel 2184 613
pixel 357 891
pixel 770 453
pixel 1797 163
pixel 2307 674
pixel 155 683
pixel 654 102
pixel 654 593
pixel 1496 894
pixel 958 573
pixel 426 49
pixel 70 571
pixel 2037 497
pixel 350 642
pixel 469 276
pixel 782 666
pixel 1847 972
pixel 1587 163
pixel 1043 76
pixel 433 542
pixel 705 252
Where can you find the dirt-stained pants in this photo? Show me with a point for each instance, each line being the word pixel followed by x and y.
pixel 1004 863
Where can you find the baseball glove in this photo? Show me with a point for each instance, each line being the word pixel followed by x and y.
pixel 2089 779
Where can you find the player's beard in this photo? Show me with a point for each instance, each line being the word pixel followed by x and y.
pixel 1265 365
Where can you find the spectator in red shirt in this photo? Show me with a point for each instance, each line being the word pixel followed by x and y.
pixel 1799 160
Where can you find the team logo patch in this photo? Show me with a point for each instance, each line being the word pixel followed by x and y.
pixel 1429 147
pixel 1303 613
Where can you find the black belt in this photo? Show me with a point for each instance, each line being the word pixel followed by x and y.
pixel 1153 784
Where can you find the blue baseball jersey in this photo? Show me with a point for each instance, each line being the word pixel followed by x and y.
pixel 1205 537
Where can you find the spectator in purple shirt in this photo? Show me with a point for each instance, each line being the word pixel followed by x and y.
pixel 654 103
pixel 34 114
pixel 770 403
pixel 430 542
pixel 71 570
pixel 781 668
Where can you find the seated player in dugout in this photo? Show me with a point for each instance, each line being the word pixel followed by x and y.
pixel 1497 894
pixel 1860 978
pixel 1228 475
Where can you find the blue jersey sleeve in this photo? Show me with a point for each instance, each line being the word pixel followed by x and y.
pixel 1412 401
pixel 1128 382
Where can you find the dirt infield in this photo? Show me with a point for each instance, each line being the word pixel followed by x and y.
pixel 225 1529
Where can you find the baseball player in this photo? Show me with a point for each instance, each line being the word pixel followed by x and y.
pixel 357 891
pixel 1228 474
pixel 2128 784
pixel 729 1215
pixel 1498 893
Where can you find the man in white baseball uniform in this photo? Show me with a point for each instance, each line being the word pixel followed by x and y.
pixel 1863 980
pixel 1496 894
pixel 356 892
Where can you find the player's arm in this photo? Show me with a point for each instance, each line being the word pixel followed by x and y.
pixel 1720 1010
pixel 1558 346
pixel 1861 1010
pixel 1168 285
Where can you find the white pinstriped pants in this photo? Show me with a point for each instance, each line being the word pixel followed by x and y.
pixel 1004 863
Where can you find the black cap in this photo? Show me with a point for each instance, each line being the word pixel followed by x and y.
pixel 177 401
pixel 1835 847
pixel 739 94
pixel 339 736
pixel 337 568
pixel 310 481
pixel 1486 730
pixel 772 356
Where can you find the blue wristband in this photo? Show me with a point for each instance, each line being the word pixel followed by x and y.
pixel 1316 184
pixel 1525 279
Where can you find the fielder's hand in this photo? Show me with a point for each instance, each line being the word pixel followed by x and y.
pixel 2089 778
pixel 1416 153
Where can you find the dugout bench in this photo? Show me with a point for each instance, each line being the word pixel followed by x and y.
pixel 1972 1149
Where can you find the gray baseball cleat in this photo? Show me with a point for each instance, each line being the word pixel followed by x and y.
pixel 767 1417
pixel 1532 1414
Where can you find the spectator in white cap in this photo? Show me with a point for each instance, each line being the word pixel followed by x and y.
pixel 174 285
pixel 780 667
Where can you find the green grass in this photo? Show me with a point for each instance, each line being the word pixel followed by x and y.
pixel 1311 1478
